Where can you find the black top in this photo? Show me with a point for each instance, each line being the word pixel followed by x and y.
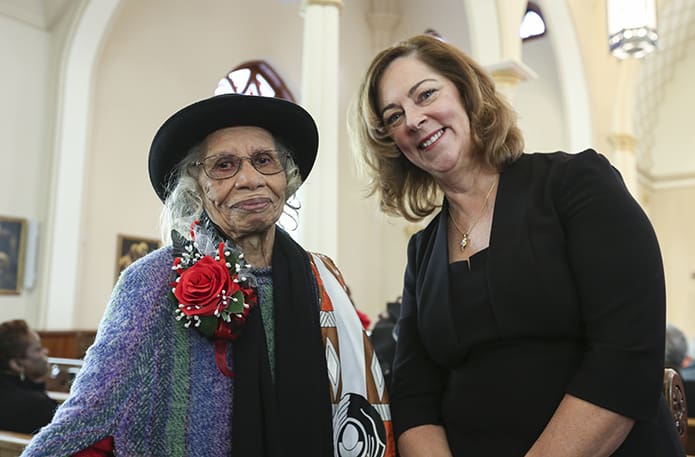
pixel 25 406
pixel 562 302
pixel 485 368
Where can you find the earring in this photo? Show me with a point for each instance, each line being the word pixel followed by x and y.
pixel 21 375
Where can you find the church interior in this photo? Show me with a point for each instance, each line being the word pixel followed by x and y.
pixel 86 83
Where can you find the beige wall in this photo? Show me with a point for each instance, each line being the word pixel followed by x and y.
pixel 539 103
pixel 672 198
pixel 445 16
pixel 673 215
pixel 674 135
pixel 24 158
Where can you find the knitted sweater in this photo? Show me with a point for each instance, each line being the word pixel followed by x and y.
pixel 148 382
pixel 154 386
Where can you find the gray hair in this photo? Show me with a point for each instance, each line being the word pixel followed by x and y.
pixel 184 202
pixel 676 347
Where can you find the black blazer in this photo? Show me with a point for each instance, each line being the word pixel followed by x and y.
pixel 572 256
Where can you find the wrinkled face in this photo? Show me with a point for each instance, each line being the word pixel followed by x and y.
pixel 35 360
pixel 249 202
pixel 423 113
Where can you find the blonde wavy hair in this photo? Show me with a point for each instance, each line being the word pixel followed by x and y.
pixel 404 189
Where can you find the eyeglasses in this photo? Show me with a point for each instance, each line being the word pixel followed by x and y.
pixel 223 166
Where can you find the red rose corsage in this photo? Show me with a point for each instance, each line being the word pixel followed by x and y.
pixel 214 295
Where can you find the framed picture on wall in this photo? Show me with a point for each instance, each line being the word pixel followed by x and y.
pixel 13 235
pixel 131 248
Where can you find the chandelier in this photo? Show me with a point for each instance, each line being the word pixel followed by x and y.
pixel 631 27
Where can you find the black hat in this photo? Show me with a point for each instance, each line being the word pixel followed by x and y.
pixel 286 121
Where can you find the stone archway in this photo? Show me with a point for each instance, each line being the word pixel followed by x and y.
pixel 574 87
pixel 63 231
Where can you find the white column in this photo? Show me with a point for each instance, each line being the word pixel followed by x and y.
pixel 622 137
pixel 318 226
pixel 484 35
pixel 623 158
pixel 509 14
pixel 63 242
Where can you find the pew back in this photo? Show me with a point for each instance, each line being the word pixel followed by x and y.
pixel 12 444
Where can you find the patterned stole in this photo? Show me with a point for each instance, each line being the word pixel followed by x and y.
pixel 361 413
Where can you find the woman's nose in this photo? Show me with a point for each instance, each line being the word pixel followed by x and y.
pixel 248 176
pixel 414 119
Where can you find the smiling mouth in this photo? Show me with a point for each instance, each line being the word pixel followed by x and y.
pixel 254 204
pixel 431 140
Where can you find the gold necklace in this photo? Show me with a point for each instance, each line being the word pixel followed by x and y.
pixel 466 235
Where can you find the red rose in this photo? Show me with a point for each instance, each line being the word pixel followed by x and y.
pixel 200 287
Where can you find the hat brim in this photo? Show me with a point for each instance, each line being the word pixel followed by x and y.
pixel 286 121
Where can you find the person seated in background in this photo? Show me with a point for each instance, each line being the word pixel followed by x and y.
pixel 676 357
pixel 676 349
pixel 384 336
pixel 24 367
pixel 688 370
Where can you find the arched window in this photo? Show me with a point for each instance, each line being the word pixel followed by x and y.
pixel 254 78
pixel 533 23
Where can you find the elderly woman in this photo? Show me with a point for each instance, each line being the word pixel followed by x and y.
pixel 231 340
pixel 23 369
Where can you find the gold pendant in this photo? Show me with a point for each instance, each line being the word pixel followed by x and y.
pixel 464 241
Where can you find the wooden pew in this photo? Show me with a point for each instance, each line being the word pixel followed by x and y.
pixel 690 445
pixel 12 444
pixel 60 397
pixel 70 344
pixel 674 392
pixel 63 372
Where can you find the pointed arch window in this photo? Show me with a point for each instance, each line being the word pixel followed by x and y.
pixel 256 77
pixel 533 23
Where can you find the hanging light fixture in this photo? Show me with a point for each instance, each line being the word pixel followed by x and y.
pixel 631 27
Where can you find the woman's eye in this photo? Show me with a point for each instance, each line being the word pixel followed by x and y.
pixel 392 118
pixel 424 95
pixel 224 164
pixel 262 159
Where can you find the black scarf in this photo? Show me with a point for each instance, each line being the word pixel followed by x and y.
pixel 292 416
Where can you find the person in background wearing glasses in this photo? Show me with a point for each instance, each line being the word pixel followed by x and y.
pixel 25 406
pixel 231 339
pixel 533 307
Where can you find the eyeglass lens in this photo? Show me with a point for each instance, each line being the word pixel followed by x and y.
pixel 222 166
